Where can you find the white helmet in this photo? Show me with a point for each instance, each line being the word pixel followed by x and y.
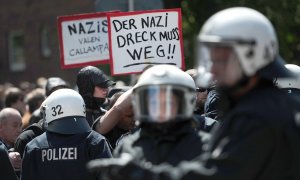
pixel 290 83
pixel 164 93
pixel 250 36
pixel 64 112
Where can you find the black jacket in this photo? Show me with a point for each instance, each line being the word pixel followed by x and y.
pixel 92 116
pixel 181 142
pixel 259 139
pixel 27 135
pixel 7 171
pixel 54 156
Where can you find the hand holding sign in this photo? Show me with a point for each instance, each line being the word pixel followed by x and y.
pixel 138 39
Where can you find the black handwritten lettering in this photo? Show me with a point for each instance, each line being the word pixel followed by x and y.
pixel 149 22
pixel 147 52
pixel 90 25
pixel 89 40
pixel 121 41
pixel 126 24
pixel 72 29
pixel 169 35
pixel 152 36
pixel 81 29
pixel 135 54
pixel 160 51
pixel 104 24
pixel 102 48
pixel 149 63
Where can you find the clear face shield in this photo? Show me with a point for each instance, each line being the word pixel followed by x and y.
pixel 160 103
pixel 218 63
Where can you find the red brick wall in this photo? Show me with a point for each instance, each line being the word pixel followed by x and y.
pixel 30 16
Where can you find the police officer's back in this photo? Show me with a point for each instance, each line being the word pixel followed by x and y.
pixel 36 121
pixel 68 143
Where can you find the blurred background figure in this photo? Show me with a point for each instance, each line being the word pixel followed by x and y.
pixel 10 129
pixel 33 102
pixel 93 85
pixel 14 98
pixel 206 111
pixel 10 126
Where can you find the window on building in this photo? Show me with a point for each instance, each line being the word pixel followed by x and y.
pixel 16 47
pixel 45 47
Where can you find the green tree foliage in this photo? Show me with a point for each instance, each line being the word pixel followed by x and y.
pixel 285 16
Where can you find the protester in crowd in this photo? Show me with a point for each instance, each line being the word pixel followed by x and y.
pixel 204 108
pixel 68 143
pixel 10 128
pixel 201 94
pixel 33 102
pixel 259 134
pixel 125 125
pixel 14 98
pixel 212 102
pixel 93 86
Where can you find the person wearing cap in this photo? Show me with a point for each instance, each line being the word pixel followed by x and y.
pixel 258 138
pixel 93 86
pixel 68 143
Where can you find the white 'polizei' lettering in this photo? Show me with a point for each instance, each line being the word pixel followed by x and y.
pixel 59 154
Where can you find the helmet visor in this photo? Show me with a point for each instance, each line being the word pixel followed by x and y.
pixel 160 103
pixel 218 63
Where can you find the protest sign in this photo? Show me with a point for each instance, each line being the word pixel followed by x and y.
pixel 83 40
pixel 142 38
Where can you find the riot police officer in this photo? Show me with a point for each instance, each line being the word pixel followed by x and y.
pixel 163 102
pixel 258 137
pixel 68 143
pixel 36 128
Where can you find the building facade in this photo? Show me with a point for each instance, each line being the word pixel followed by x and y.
pixel 29 46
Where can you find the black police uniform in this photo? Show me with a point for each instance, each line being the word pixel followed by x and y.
pixel 7 171
pixel 258 139
pixel 157 143
pixel 55 156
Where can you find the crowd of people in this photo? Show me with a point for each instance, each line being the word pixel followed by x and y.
pixel 235 116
